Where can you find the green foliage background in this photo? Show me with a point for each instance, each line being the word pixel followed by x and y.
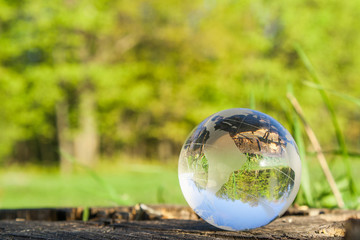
pixel 160 67
pixel 157 68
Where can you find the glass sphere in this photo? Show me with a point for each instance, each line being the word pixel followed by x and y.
pixel 239 169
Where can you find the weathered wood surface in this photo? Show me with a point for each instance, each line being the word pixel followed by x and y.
pixel 169 222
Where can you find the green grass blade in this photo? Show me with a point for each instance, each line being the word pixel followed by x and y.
pixel 86 214
pixel 252 100
pixel 339 135
pixel 328 104
pixel 339 94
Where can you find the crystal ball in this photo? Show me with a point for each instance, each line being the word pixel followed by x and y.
pixel 239 169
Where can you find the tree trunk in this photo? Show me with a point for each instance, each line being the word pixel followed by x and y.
pixel 63 131
pixel 86 139
pixel 164 150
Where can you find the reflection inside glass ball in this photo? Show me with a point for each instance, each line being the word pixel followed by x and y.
pixel 239 169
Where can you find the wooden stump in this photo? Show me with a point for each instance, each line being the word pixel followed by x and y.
pixel 169 222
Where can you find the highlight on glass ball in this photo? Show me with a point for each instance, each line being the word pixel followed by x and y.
pixel 239 169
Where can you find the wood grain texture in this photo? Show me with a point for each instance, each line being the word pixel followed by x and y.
pixel 177 223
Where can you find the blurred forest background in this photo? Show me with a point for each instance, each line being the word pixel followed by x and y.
pixel 94 82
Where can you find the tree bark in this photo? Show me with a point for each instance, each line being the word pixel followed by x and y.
pixel 86 139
